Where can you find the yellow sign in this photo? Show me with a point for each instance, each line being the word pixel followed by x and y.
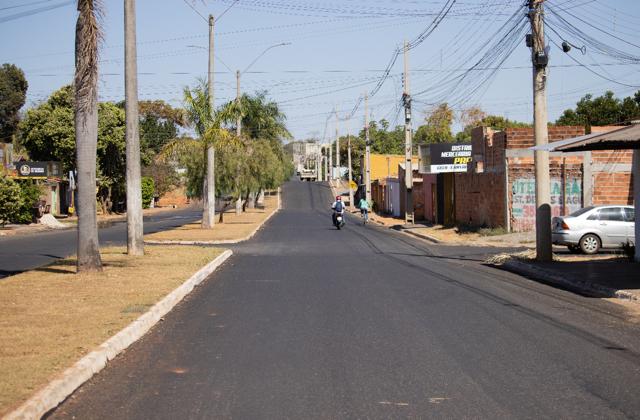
pixel 353 185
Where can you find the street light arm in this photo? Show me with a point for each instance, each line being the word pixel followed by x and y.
pixel 263 53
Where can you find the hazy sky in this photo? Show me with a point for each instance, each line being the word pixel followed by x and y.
pixel 339 49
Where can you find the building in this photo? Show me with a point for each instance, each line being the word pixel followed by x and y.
pixel 498 189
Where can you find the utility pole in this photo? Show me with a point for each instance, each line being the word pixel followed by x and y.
pixel 239 120
pixel 330 163
pixel 350 173
pixel 135 242
pixel 540 60
pixel 337 144
pixel 367 158
pixel 209 213
pixel 408 140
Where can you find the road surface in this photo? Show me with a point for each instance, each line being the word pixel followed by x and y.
pixel 307 322
pixel 26 252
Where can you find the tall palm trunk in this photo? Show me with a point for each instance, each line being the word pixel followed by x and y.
pixel 86 130
pixel 135 243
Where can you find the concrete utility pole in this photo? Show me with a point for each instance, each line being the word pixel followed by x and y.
pixel 135 242
pixel 326 165
pixel 367 158
pixel 209 213
pixel 636 193
pixel 330 163
pixel 337 144
pixel 350 173
pixel 239 120
pixel 408 140
pixel 540 60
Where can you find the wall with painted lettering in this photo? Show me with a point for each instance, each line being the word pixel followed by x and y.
pixel 523 200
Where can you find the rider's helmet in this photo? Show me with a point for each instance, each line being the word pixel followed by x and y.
pixel 338 198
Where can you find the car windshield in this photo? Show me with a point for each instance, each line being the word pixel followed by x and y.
pixel 581 211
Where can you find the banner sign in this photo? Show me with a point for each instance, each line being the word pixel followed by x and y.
pixel 445 157
pixel 37 169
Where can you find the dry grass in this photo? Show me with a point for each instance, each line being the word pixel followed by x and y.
pixel 234 226
pixel 51 317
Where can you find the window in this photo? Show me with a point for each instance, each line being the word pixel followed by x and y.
pixel 629 214
pixel 612 214
pixel 582 211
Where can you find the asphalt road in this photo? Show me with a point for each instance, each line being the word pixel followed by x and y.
pixel 26 252
pixel 307 322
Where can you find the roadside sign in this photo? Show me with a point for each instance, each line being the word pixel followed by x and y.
pixel 353 185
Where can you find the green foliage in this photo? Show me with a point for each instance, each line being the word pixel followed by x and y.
pixel 17 198
pixel 262 118
pixel 13 93
pixel 164 176
pixel 10 199
pixel 438 126
pixel 602 110
pixel 148 190
pixel 495 122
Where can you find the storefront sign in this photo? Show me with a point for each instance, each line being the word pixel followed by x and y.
pixel 445 157
pixel 37 169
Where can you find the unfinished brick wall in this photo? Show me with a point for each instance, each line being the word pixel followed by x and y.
pixel 612 179
pixel 522 138
pixel 480 199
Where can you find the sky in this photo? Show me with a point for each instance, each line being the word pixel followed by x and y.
pixel 338 50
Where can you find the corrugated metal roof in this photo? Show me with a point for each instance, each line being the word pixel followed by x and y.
pixel 623 138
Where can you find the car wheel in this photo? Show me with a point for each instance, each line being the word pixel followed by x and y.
pixel 574 249
pixel 590 244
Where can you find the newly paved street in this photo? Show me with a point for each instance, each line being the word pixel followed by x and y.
pixel 309 322
pixel 26 252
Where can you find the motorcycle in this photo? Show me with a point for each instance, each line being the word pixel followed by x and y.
pixel 338 220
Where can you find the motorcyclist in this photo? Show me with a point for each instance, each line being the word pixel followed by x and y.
pixel 338 208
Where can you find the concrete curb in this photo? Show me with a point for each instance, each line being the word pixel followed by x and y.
pixel 221 241
pixel 520 267
pixel 422 236
pixel 71 379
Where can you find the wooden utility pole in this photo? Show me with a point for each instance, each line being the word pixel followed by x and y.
pixel 351 204
pixel 135 242
pixel 209 213
pixel 367 157
pixel 540 60
pixel 408 140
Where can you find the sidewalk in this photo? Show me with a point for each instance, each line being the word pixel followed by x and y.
pixel 608 275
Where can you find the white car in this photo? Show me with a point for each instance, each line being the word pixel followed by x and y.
pixel 592 228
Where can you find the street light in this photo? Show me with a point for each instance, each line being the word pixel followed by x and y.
pixel 239 73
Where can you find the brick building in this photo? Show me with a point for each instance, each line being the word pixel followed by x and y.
pixel 499 188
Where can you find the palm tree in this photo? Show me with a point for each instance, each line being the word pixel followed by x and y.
pixel 209 128
pixel 86 130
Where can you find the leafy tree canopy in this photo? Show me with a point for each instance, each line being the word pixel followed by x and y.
pixel 13 93
pixel 601 110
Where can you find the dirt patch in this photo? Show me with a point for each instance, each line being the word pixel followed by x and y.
pixel 51 317
pixel 234 227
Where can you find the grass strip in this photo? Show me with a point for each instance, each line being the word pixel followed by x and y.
pixel 51 317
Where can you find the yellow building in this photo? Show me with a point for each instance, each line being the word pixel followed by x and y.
pixel 385 166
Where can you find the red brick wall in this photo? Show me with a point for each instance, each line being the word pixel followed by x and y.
pixel 480 199
pixel 522 138
pixel 612 188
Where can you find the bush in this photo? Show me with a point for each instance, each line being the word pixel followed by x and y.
pixel 148 189
pixel 17 198
pixel 10 199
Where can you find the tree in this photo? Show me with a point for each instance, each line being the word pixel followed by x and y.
pixel 602 110
pixel 86 125
pixel 438 126
pixel 10 199
pixel 47 133
pixel 13 93
pixel 147 191
pixel 495 122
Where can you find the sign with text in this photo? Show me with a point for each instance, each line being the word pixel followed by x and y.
pixel 37 169
pixel 445 157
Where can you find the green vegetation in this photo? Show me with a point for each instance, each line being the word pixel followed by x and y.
pixel 602 110
pixel 17 198
pixel 148 188
pixel 13 92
